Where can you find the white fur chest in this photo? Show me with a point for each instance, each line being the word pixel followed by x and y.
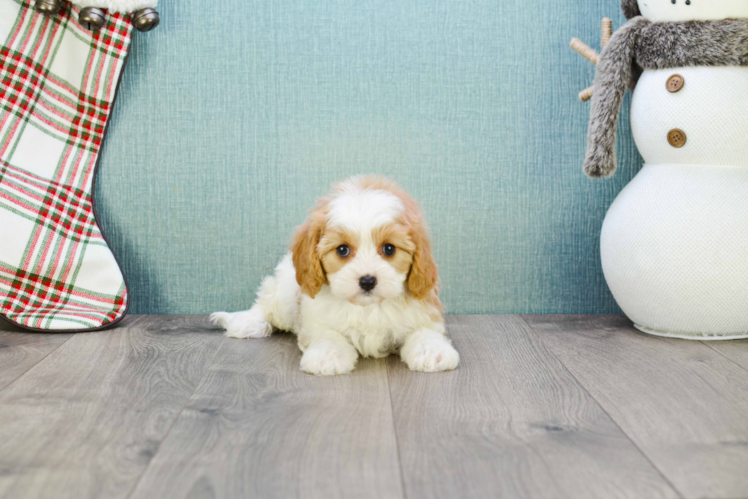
pixel 710 108
pixel 375 330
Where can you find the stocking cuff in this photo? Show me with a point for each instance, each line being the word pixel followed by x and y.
pixel 121 6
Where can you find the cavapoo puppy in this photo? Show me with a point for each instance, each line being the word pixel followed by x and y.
pixel 360 279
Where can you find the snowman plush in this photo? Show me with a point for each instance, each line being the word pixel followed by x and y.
pixel 675 241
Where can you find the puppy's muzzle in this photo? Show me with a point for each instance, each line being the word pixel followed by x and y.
pixel 367 283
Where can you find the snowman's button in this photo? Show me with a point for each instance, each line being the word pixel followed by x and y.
pixel 675 83
pixel 677 138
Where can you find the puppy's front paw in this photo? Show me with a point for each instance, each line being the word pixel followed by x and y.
pixel 432 353
pixel 329 358
pixel 250 324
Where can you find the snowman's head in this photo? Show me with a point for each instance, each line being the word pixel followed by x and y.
pixel 686 10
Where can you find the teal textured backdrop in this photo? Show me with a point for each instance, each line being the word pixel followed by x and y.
pixel 234 116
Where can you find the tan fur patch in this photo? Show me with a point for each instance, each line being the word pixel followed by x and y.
pixel 397 235
pixel 423 273
pixel 309 273
pixel 331 240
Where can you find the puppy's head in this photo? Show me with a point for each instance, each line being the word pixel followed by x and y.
pixel 368 241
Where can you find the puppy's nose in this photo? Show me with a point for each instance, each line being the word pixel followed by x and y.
pixel 367 283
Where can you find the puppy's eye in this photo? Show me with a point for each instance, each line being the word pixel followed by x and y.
pixel 388 250
pixel 343 251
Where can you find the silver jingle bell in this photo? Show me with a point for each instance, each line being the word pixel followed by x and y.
pixel 145 19
pixel 92 18
pixel 48 7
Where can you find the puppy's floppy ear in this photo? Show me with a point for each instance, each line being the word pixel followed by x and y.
pixel 423 272
pixel 309 273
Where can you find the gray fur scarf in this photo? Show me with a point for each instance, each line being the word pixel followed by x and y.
pixel 641 44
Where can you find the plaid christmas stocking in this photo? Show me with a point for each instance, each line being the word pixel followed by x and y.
pixel 57 87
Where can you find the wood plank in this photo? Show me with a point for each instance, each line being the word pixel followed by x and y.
pixel 86 420
pixel 510 422
pixel 21 350
pixel 681 402
pixel 259 427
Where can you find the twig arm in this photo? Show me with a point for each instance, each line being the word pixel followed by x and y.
pixel 606 30
pixel 584 50
pixel 586 94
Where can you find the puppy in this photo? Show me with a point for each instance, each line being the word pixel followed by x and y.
pixel 359 280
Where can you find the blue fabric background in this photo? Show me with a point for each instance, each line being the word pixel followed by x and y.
pixel 234 116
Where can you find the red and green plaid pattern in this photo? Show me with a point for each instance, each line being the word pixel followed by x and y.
pixel 57 87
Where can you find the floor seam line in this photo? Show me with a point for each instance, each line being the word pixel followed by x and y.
pixel 179 414
pixel 394 430
pixel 604 410
pixel 3 389
pixel 724 356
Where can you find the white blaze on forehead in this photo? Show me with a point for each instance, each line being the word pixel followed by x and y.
pixel 362 210
pixel 697 10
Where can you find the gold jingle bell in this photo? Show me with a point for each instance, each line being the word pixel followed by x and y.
pixel 48 7
pixel 92 18
pixel 145 19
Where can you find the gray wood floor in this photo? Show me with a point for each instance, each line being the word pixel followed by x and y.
pixel 541 406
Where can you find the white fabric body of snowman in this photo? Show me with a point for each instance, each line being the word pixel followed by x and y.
pixel 675 241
